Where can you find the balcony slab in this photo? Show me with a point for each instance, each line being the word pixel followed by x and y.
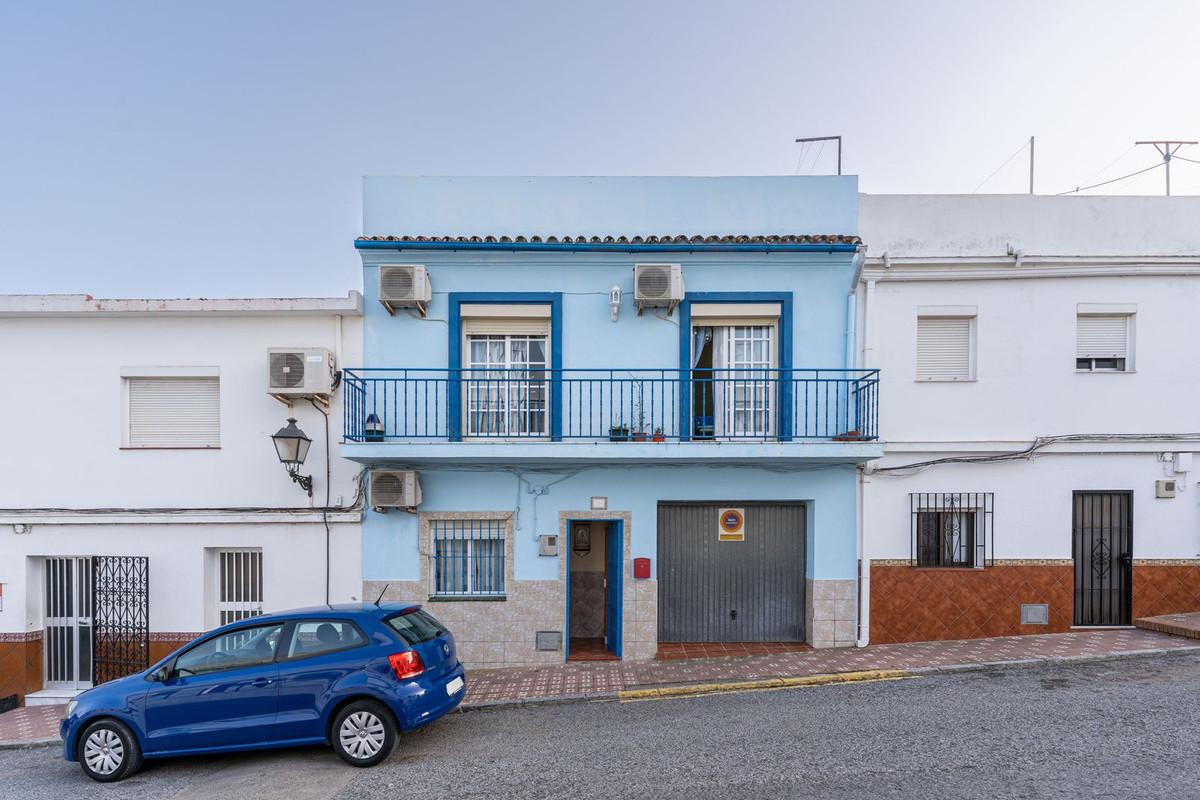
pixel 640 453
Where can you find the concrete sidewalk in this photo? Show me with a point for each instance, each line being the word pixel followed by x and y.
pixel 599 680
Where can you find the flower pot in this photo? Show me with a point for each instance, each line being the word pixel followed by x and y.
pixel 618 433
pixel 639 436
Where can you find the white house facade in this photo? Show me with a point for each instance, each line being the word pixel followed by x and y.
pixel 1038 373
pixel 143 500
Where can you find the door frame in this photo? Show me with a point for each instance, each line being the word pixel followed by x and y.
pixel 1127 588
pixel 78 621
pixel 615 530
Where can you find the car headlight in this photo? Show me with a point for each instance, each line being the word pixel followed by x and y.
pixel 71 707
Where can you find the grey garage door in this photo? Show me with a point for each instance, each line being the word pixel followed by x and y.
pixel 731 591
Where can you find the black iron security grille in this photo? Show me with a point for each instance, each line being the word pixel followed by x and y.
pixel 951 529
pixel 121 608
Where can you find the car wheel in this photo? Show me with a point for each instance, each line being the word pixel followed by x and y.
pixel 108 751
pixel 364 733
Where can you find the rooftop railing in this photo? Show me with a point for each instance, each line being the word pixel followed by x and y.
pixel 611 405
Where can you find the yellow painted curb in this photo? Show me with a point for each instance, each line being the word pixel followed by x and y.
pixel 766 683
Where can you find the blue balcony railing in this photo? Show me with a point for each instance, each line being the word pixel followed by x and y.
pixel 617 405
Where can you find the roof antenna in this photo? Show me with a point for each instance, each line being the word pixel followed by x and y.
pixel 381 594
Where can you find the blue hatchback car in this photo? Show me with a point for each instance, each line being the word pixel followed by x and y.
pixel 352 676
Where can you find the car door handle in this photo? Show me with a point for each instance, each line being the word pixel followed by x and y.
pixel 261 682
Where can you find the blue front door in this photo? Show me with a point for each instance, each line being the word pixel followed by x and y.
pixel 614 541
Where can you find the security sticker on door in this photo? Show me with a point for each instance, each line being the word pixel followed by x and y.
pixel 731 524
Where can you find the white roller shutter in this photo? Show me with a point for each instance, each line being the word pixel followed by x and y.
pixel 1101 336
pixel 174 412
pixel 943 348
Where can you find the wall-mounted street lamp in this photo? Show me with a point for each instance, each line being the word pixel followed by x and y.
pixel 292 446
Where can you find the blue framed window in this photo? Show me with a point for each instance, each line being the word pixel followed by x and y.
pixel 510 381
pixel 468 557
pixel 751 392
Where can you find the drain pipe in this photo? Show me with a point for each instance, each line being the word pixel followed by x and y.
pixel 864 567
pixel 862 475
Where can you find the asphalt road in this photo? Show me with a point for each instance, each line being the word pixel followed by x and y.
pixel 1117 729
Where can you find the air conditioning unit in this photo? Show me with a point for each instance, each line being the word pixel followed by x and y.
pixel 395 489
pixel 657 286
pixel 300 372
pixel 404 286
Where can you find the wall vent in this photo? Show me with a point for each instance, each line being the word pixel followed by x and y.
pixel 548 640
pixel 1035 614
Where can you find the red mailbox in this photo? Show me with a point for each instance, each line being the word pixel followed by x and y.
pixel 641 568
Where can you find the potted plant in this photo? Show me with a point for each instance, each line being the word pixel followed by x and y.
pixel 618 433
pixel 659 436
pixel 639 436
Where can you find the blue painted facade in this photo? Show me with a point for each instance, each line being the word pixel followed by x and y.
pixel 539 479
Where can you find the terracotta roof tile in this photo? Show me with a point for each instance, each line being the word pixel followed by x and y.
pixel 617 241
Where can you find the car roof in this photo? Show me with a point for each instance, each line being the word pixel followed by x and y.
pixel 334 611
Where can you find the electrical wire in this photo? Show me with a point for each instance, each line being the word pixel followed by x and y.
pixel 356 505
pixel 1002 166
pixel 328 481
pixel 1078 189
pixel 1185 158
pixel 816 158
pixel 1039 443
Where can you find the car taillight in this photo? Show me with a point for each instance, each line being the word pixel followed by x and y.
pixel 406 665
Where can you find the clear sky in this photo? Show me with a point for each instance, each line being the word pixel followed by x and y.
pixel 216 148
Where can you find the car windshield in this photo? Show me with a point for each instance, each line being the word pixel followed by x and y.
pixel 416 626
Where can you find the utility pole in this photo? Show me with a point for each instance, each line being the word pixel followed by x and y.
pixel 1031 165
pixel 837 139
pixel 1167 149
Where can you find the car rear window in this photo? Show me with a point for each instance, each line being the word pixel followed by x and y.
pixel 416 626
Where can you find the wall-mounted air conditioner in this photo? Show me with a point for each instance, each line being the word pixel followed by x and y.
pixel 657 286
pixel 404 286
pixel 300 372
pixel 395 489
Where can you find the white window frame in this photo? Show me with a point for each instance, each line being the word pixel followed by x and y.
pixel 1128 312
pixel 246 601
pixel 129 374
pixel 724 319
pixel 516 322
pixel 968 313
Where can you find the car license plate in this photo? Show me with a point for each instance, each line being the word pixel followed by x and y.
pixel 454 686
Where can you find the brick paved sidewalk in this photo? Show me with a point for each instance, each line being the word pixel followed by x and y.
pixel 604 679
pixel 609 677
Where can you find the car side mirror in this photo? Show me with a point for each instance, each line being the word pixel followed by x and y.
pixel 161 674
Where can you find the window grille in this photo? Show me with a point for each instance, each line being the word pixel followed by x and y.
pixel 468 556
pixel 951 529
pixel 240 586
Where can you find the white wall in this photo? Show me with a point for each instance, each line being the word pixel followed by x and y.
pixel 1026 384
pixel 1033 504
pixel 62 411
pixel 948 225
pixel 293 565
pixel 952 251
pixel 62 436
